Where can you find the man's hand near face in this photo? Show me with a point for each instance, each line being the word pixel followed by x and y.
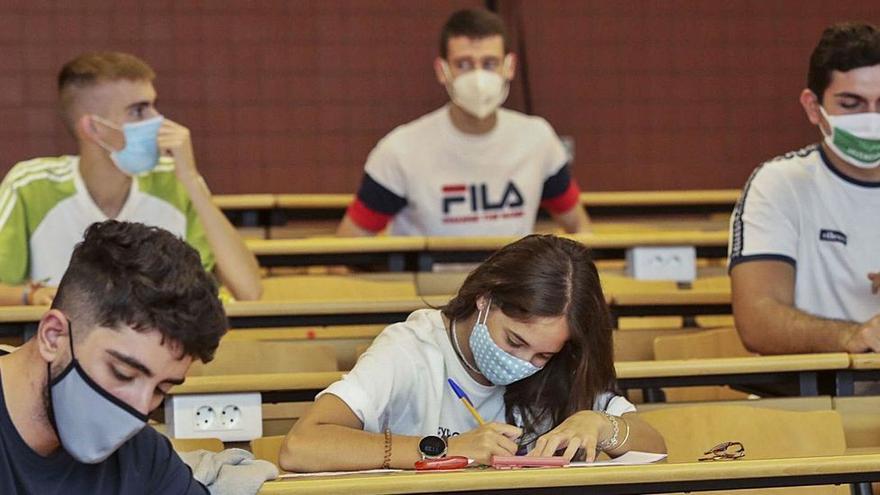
pixel 237 267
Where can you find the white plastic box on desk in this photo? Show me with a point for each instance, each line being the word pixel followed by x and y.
pixel 229 417
pixel 677 263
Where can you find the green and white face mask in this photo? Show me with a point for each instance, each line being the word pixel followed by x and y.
pixel 855 137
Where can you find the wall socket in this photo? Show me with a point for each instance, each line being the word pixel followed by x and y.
pixel 678 263
pixel 229 417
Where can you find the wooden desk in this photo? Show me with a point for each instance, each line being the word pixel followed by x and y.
pixel 604 245
pixel 609 480
pixel 801 369
pixel 248 210
pixel 386 250
pixel 277 209
pixel 262 314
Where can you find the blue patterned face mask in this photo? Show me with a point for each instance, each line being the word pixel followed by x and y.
pixel 494 363
pixel 141 151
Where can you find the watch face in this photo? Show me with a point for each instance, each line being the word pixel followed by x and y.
pixel 432 446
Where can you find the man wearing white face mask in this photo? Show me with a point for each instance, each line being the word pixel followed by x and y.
pixel 804 258
pixel 133 165
pixel 470 167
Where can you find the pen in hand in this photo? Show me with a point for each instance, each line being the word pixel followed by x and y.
pixel 466 401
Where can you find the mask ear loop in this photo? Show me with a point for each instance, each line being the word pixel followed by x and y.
pixel 70 337
pixel 106 123
pixel 485 317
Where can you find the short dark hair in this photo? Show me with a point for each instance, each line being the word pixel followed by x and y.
pixel 843 47
pixel 147 278
pixel 548 276
pixel 475 24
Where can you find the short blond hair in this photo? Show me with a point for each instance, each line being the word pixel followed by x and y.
pixel 92 68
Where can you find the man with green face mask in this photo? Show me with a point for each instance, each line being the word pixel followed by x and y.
pixel 805 235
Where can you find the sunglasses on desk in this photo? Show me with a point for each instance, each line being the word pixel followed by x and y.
pixel 726 451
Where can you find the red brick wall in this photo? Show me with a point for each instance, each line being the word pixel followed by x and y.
pixel 290 96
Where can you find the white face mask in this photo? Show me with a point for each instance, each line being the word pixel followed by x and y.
pixel 855 138
pixel 479 92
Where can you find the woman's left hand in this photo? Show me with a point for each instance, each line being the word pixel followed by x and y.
pixel 582 430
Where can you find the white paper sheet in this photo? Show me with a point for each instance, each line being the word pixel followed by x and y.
pixel 631 458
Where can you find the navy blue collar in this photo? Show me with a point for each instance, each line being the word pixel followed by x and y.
pixel 835 171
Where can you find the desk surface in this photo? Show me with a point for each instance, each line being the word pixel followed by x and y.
pixel 595 240
pixel 869 361
pixel 673 477
pixel 333 245
pixel 358 305
pixel 607 198
pixel 736 365
pixel 274 382
pixel 244 201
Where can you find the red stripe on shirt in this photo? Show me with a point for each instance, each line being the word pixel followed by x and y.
pixel 455 188
pixel 565 201
pixel 366 218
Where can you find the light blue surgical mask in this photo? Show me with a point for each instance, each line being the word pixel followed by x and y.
pixel 141 151
pixel 91 423
pixel 495 363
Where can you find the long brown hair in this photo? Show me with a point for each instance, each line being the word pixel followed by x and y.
pixel 547 276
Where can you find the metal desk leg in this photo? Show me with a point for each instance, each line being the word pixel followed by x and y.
pixel 845 383
pixel 396 262
pixel 809 383
pixel 425 262
pixel 863 488
pixel 653 395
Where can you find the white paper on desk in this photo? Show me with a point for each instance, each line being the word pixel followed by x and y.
pixel 631 458
pixel 337 473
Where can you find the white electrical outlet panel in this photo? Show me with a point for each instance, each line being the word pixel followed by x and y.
pixel 678 263
pixel 229 417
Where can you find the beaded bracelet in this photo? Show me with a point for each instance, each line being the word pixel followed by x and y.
pixel 386 463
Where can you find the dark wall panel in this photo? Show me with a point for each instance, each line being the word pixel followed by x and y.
pixel 290 96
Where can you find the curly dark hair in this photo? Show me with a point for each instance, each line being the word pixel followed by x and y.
pixel 145 277
pixel 843 47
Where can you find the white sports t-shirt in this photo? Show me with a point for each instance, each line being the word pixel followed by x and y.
pixel 429 178
pixel 45 208
pixel 799 209
pixel 402 379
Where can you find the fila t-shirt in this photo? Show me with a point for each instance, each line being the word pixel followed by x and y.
pixel 429 178
pixel 401 382
pixel 799 209
pixel 45 208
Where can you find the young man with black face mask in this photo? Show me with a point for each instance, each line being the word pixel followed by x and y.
pixel 133 165
pixel 805 234
pixel 470 167
pixel 133 310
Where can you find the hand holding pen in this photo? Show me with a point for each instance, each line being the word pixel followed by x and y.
pixel 486 440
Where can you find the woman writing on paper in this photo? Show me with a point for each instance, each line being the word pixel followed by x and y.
pixel 527 340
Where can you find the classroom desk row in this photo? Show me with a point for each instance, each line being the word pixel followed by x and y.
pixel 373 309
pixel 410 253
pixel 802 374
pixel 608 480
pixel 266 210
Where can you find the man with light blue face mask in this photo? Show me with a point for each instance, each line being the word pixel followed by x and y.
pixel 75 397
pixel 804 259
pixel 133 165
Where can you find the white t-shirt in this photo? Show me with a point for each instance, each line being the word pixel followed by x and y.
pixel 799 209
pixel 402 379
pixel 436 180
pixel 45 207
